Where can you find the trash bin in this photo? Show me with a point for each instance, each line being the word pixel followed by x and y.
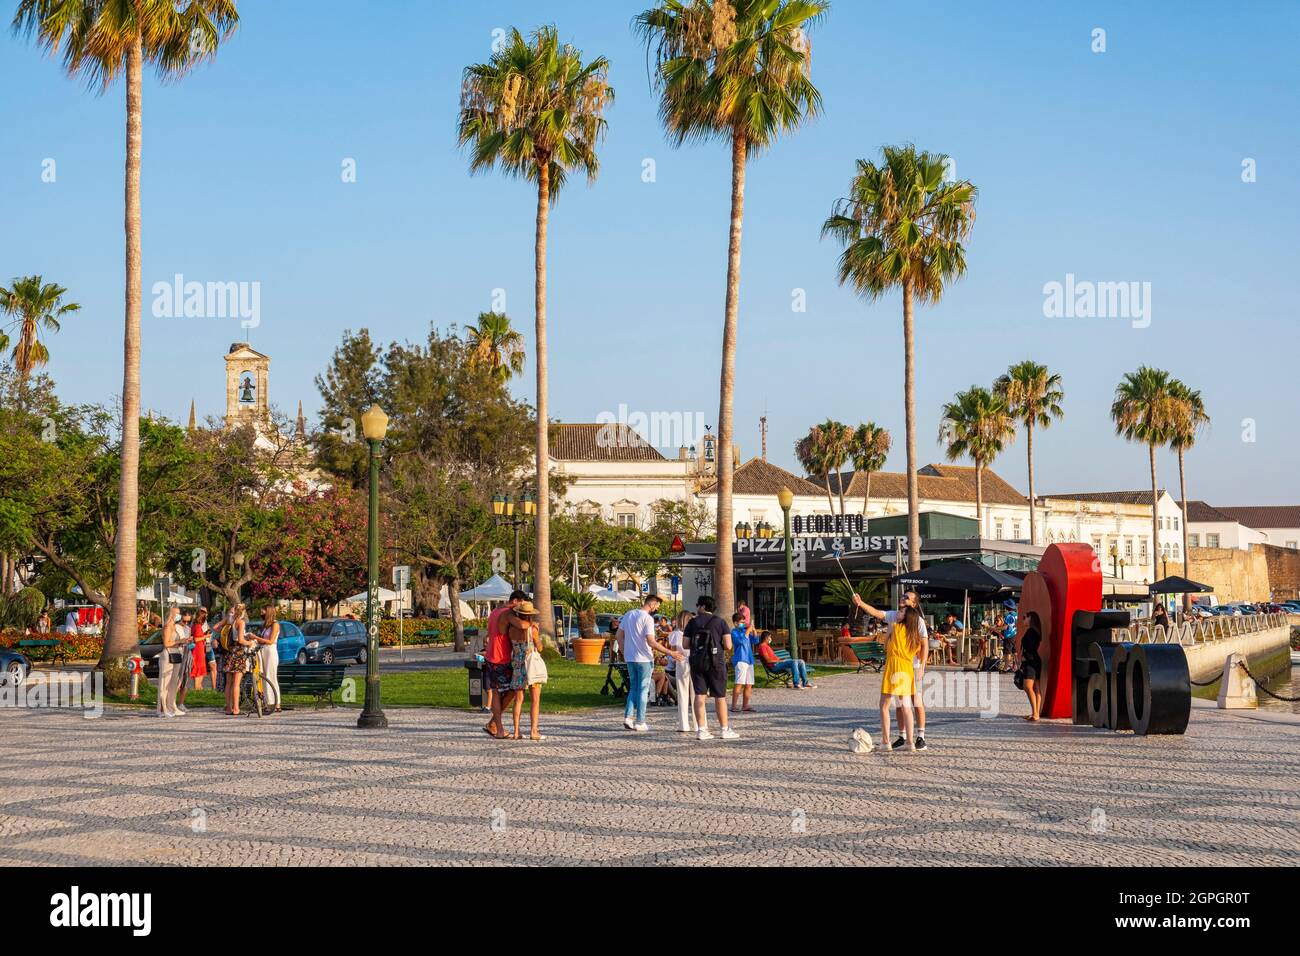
pixel 475 668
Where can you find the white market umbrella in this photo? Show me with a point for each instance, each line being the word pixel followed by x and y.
pixel 495 588
pixel 383 594
pixel 444 604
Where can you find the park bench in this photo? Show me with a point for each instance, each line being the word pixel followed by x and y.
pixel 616 679
pixel 870 654
pixel 44 649
pixel 772 676
pixel 319 680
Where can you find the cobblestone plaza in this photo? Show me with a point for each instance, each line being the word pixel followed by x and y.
pixel 307 787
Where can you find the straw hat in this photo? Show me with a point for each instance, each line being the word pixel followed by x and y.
pixel 525 609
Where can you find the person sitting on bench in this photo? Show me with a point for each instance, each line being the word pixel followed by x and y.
pixel 798 670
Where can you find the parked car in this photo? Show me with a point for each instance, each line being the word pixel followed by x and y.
pixel 289 646
pixel 1291 607
pixel 331 639
pixel 14 668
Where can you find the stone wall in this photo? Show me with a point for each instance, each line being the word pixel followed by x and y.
pixel 1234 574
pixel 1283 571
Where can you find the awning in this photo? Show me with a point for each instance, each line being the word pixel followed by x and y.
pixel 495 588
pixel 960 575
pixel 1174 584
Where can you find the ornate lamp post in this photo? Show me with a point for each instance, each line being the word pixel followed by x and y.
pixel 503 510
pixel 786 498
pixel 374 425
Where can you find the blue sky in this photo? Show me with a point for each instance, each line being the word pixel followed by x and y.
pixel 1117 166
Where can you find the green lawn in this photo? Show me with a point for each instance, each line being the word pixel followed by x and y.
pixel 571 687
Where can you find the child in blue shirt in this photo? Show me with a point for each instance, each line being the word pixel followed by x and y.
pixel 742 661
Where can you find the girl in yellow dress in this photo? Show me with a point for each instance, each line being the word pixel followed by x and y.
pixel 898 680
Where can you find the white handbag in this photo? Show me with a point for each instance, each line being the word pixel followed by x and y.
pixel 535 666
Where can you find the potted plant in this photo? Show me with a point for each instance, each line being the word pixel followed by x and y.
pixel 587 645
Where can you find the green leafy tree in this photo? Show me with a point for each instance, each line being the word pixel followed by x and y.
pixel 350 384
pixel 1033 395
pixel 101 40
pixel 736 71
pixel 903 226
pixel 1147 409
pixel 977 425
pixel 535 110
pixel 824 450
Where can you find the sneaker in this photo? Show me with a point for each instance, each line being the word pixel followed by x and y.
pixel 641 728
pixel 912 747
pixel 897 743
pixel 629 724
pixel 704 735
pixel 181 710
pixel 920 743
pixel 729 734
pixel 886 748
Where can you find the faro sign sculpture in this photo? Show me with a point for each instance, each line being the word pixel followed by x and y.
pixel 1088 676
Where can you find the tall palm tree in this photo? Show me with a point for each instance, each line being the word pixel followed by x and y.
pixel 902 227
pixel 35 305
pixel 1190 419
pixel 494 344
pixel 839 446
pixel 813 452
pixel 536 111
pixel 976 424
pixel 101 40
pixel 1146 410
pixel 738 71
pixel 1033 395
pixel 870 448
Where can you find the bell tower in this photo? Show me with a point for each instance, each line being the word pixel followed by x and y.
pixel 246 379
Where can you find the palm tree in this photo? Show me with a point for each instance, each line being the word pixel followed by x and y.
pixel 870 448
pixel 1033 396
pixel 735 70
pixel 1146 410
pixel 536 110
pixel 815 451
pixel 100 40
pixel 1191 418
pixel 902 227
pixel 496 346
pixel 34 305
pixel 976 424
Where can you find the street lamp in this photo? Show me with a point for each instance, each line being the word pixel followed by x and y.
pixel 503 510
pixel 374 425
pixel 786 499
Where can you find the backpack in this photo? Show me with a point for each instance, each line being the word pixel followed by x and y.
pixel 706 648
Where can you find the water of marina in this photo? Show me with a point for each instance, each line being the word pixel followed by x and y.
pixel 1286 683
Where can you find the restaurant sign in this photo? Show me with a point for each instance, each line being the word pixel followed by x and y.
pixel 846 545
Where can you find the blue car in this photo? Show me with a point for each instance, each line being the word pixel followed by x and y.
pixel 14 668
pixel 290 644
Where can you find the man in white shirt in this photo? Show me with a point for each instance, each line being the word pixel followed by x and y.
pixel 910 599
pixel 636 636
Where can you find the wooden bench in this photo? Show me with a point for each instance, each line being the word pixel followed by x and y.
pixel 870 654
pixel 49 649
pixel 319 680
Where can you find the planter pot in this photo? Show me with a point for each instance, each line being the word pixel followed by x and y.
pixel 586 650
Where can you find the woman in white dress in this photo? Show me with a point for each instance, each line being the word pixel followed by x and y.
pixel 680 671
pixel 171 666
pixel 270 655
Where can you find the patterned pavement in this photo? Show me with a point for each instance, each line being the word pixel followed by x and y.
pixel 307 787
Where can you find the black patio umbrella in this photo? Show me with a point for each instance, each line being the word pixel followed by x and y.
pixel 960 575
pixel 1174 584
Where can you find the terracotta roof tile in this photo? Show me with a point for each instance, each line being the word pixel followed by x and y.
pixel 1265 516
pixel 600 442
pixel 934 483
pixel 759 477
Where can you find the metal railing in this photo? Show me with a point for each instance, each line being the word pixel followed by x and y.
pixel 1206 631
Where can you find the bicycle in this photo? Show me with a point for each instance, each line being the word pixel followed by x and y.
pixel 252 687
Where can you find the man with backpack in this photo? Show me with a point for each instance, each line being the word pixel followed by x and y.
pixel 708 640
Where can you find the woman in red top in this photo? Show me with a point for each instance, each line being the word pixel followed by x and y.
pixel 199 633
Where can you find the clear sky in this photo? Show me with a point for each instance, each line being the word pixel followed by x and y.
pixel 1123 165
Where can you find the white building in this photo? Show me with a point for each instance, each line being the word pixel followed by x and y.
pixel 1280 523
pixel 1118 526
pixel 1210 527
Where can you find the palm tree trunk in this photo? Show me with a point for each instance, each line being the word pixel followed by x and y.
pixel 979 497
pixel 542 561
pixel 1155 522
pixel 724 586
pixel 1187 558
pixel 457 623
pixel 830 501
pixel 866 500
pixel 1033 525
pixel 839 482
pixel 122 635
pixel 909 404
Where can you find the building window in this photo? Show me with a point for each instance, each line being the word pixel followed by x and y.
pixel 1211 540
pixel 1098 544
pixel 1293 545
pixel 1176 554
pixel 1175 523
pixel 1193 540
pixel 1144 551
pixel 997 530
pixel 1128 550
pixel 625 519
pixel 1015 530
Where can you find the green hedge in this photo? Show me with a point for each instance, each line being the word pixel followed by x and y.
pixel 443 625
